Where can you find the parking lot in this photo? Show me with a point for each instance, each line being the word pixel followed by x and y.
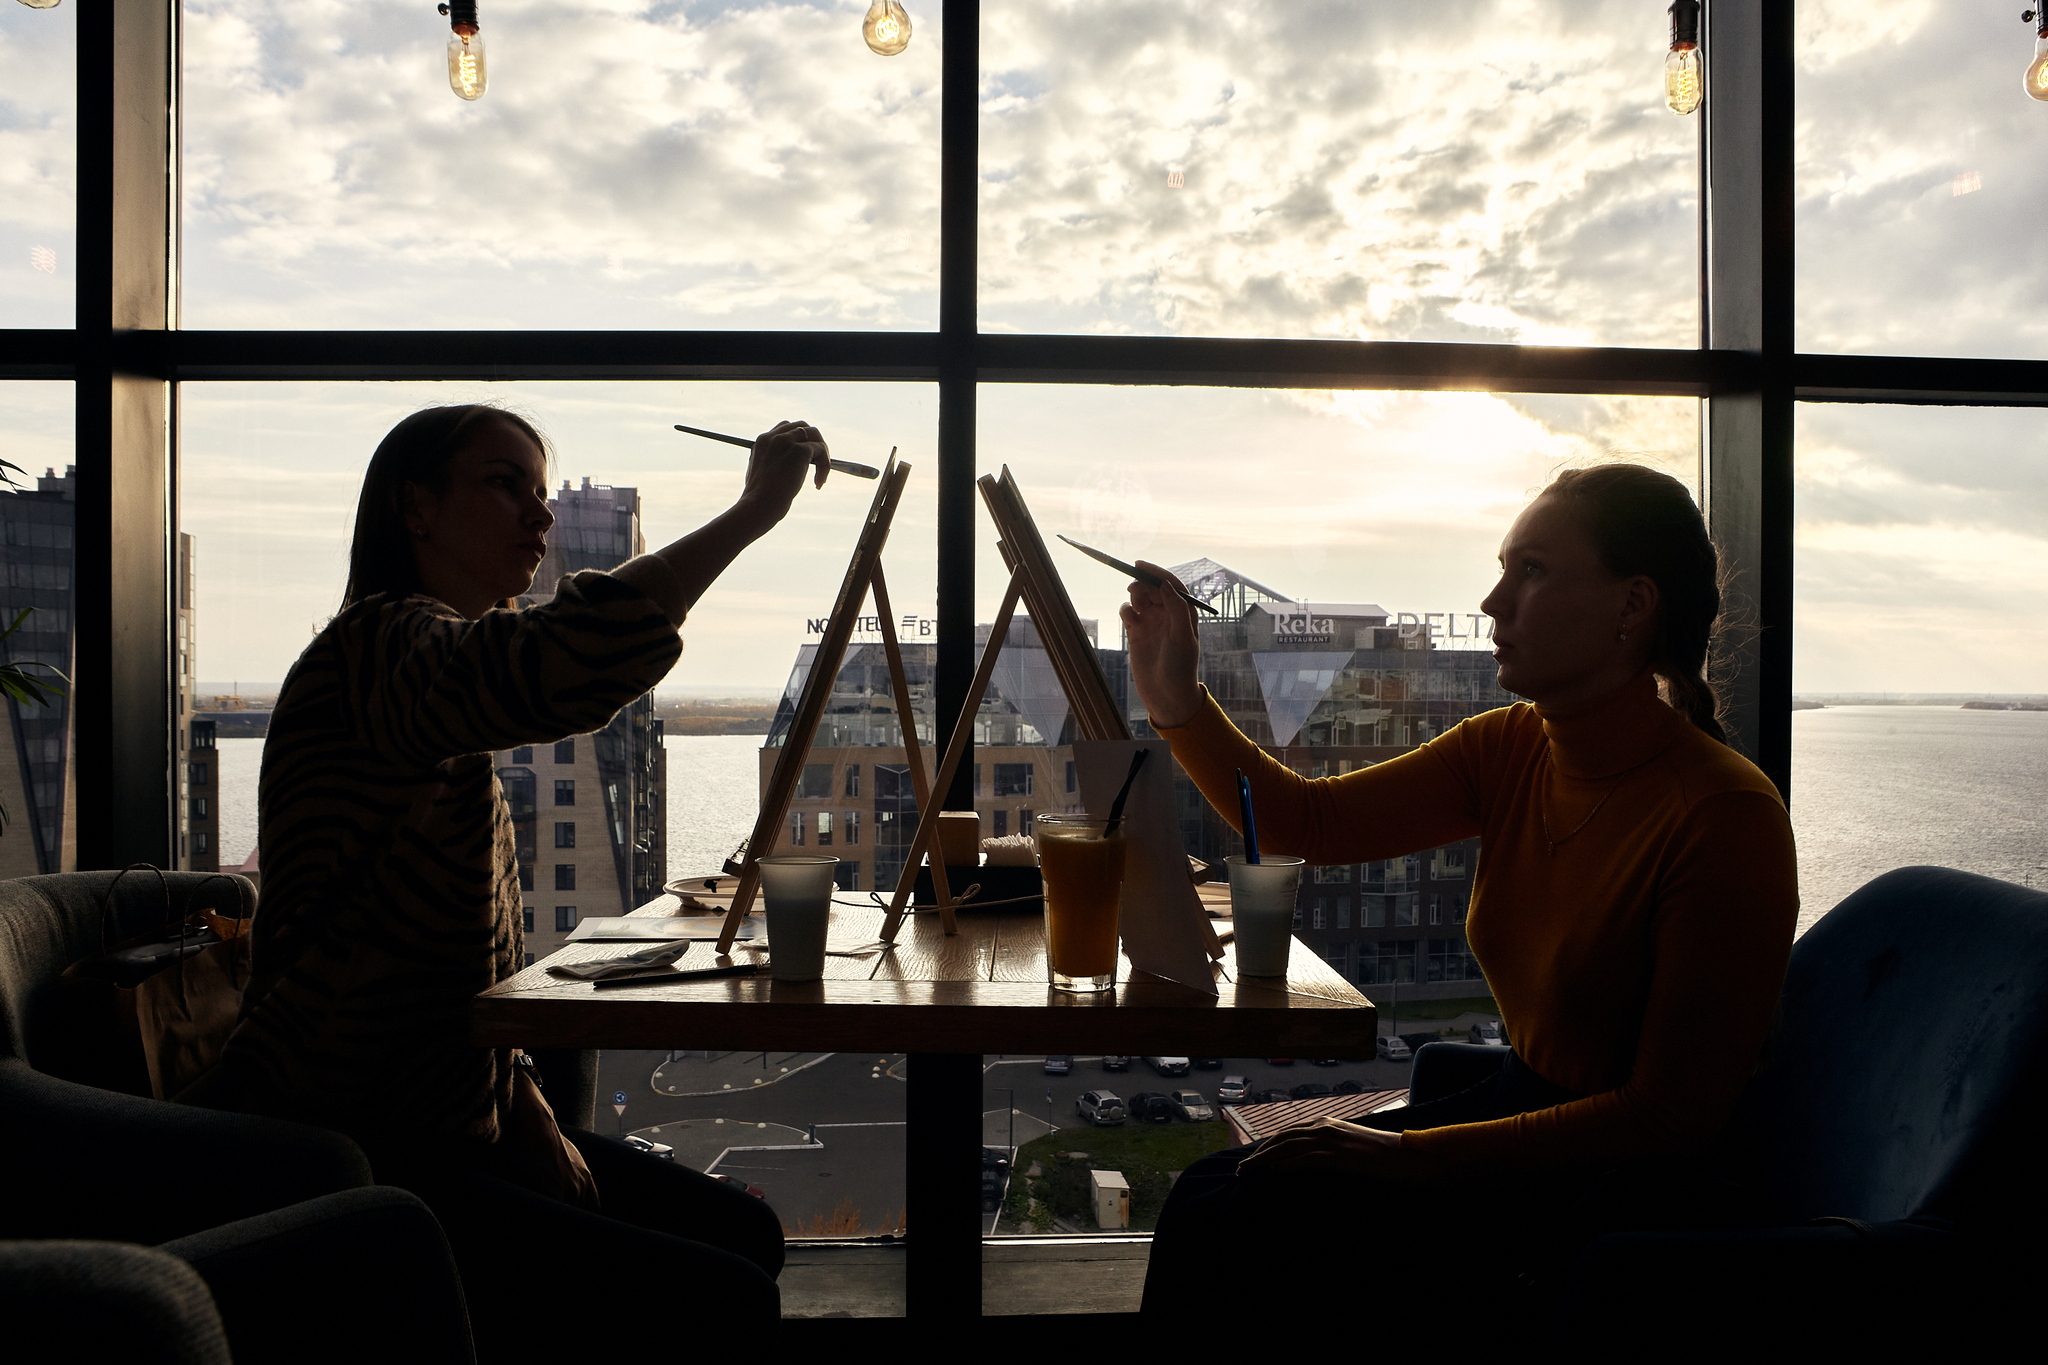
pixel 1026 1078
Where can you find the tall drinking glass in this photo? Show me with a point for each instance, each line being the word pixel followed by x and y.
pixel 1262 896
pixel 1083 867
pixel 798 889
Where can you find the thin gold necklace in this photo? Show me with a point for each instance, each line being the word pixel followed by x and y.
pixel 1544 816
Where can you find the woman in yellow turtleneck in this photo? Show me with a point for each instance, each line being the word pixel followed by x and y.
pixel 1633 906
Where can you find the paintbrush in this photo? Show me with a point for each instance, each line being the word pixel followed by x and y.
pixel 1150 580
pixel 859 471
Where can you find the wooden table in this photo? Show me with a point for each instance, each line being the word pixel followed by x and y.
pixel 980 991
pixel 946 1001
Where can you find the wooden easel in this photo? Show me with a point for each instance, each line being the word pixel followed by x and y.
pixel 1036 583
pixel 863 576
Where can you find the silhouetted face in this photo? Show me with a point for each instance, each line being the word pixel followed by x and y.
pixel 486 532
pixel 1558 613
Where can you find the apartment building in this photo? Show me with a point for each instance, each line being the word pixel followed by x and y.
pixel 589 813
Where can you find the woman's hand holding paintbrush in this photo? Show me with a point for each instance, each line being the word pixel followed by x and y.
pixel 1164 649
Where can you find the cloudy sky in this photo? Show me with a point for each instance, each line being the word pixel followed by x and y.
pixel 1471 169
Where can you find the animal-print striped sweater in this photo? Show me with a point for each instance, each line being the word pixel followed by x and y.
pixel 390 886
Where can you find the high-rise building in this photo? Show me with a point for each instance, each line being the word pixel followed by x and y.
pixel 198 758
pixel 36 763
pixel 589 814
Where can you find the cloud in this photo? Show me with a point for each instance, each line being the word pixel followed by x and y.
pixel 272 472
pixel 1920 549
pixel 1469 171
pixel 1474 170
pixel 1893 106
pixel 38 165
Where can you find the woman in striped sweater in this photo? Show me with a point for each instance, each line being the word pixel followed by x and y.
pixel 391 887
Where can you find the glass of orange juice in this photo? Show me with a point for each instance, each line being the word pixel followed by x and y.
pixel 1082 862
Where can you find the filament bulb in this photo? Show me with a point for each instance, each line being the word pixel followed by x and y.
pixel 467 75
pixel 887 28
pixel 2037 73
pixel 1683 85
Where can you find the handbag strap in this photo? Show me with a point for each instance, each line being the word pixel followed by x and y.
pixel 242 899
pixel 107 903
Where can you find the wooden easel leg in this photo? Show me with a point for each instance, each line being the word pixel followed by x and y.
pixel 906 718
pixel 926 838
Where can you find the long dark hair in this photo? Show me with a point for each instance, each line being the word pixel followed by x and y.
pixel 417 450
pixel 1642 521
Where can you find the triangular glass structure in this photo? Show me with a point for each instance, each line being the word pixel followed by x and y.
pixel 1294 683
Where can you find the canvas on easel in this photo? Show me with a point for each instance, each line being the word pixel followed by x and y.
pixel 863 576
pixel 1099 720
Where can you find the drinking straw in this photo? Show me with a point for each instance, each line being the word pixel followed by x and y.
pixel 1251 826
pixel 1116 807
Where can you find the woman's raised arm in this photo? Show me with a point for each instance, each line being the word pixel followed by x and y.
pixel 1422 799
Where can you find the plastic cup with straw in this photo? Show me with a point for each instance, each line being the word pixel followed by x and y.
pixel 1082 861
pixel 1263 890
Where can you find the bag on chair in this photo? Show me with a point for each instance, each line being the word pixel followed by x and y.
pixel 179 986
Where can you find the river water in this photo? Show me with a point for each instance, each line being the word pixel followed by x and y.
pixel 1873 788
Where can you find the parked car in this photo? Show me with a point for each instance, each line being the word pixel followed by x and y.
pixel 1394 1050
pixel 1489 1034
pixel 1059 1066
pixel 1208 1063
pixel 1270 1097
pixel 1149 1106
pixel 1348 1088
pixel 739 1184
pixel 1233 1090
pixel 1308 1090
pixel 1116 1064
pixel 1326 1061
pixel 1192 1106
pixel 651 1147
pixel 1168 1066
pixel 1103 1108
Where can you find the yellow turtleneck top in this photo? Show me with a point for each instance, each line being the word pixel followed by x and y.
pixel 1632 908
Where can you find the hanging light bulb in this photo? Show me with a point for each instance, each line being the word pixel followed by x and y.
pixel 1684 80
pixel 887 28
pixel 467 75
pixel 2037 71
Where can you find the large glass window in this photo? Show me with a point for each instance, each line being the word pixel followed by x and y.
pixel 38 525
pixel 1919 176
pixel 728 165
pixel 1321 168
pixel 38 165
pixel 1921 657
pixel 272 472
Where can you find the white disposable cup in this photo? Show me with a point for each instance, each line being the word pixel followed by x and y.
pixel 1262 898
pixel 798 889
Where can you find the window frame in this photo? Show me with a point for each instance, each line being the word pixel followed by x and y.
pixel 126 365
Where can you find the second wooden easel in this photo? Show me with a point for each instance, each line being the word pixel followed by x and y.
pixel 1036 584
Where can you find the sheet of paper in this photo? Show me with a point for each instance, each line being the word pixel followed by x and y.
pixel 1162 926
pixel 647 929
